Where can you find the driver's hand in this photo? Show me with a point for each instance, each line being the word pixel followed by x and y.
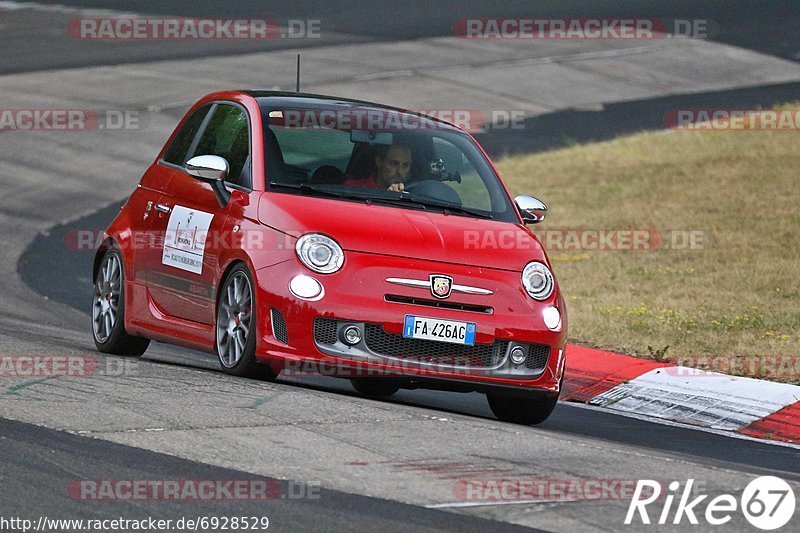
pixel 396 187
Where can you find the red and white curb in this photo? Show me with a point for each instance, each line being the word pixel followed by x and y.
pixel 752 407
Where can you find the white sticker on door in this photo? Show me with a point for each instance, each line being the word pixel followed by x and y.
pixel 185 240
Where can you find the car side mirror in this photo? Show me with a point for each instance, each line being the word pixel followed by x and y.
pixel 532 209
pixel 212 169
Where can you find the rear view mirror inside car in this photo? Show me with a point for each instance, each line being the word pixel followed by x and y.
pixel 372 137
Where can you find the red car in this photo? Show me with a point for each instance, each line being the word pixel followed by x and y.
pixel 303 233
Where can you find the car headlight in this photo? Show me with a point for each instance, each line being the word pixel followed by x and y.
pixel 319 253
pixel 538 280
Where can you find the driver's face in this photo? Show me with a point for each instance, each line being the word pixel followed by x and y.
pixel 394 167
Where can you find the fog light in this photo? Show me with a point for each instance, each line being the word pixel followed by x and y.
pixel 306 287
pixel 552 318
pixel 351 335
pixel 518 355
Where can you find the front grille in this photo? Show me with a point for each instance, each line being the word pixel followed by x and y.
pixel 538 354
pixel 434 352
pixel 325 331
pixel 279 326
pixel 438 303
pixel 422 351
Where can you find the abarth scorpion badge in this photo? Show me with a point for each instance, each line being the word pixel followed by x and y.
pixel 441 285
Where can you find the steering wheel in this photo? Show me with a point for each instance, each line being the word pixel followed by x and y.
pixel 433 189
pixel 327 175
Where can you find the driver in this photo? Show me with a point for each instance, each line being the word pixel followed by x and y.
pixel 392 166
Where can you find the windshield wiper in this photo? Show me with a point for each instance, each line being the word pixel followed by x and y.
pixel 305 187
pixel 447 206
pixel 403 198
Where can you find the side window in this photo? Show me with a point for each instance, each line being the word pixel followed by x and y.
pixel 227 136
pixel 176 153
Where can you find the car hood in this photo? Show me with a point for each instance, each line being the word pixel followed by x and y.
pixel 401 232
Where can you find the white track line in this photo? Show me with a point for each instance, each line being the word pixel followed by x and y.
pixel 456 505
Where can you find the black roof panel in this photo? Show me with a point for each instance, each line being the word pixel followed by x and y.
pixel 283 99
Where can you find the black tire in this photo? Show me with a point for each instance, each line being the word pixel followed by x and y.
pixel 375 387
pixel 244 364
pixel 526 411
pixel 108 310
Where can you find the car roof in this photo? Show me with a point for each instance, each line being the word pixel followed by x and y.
pixel 283 99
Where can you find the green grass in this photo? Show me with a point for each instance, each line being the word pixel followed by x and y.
pixel 738 294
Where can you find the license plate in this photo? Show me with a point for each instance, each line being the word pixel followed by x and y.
pixel 435 329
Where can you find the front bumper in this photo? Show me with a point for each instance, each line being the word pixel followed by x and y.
pixel 298 336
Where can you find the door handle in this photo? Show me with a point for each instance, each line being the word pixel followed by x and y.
pixel 163 208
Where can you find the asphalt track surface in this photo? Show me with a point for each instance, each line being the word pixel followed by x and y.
pixel 167 411
pixel 24 447
pixel 768 26
pixel 53 252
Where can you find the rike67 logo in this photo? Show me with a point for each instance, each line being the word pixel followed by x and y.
pixel 767 502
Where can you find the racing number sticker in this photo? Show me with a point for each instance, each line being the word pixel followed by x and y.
pixel 185 240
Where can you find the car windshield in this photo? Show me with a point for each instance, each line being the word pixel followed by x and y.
pixel 381 156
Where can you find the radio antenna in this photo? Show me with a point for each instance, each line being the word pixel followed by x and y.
pixel 297 86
